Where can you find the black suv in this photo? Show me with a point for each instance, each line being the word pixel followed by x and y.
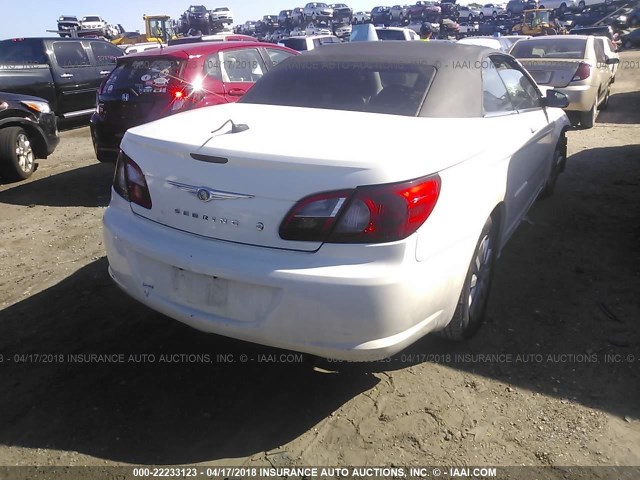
pixel 27 131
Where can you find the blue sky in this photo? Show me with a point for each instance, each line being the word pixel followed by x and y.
pixel 32 18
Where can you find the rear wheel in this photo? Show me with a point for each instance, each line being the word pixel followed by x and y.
pixel 581 5
pixel 495 14
pixel 605 102
pixel 588 119
pixel 472 304
pixel 558 165
pixel 17 161
pixel 563 8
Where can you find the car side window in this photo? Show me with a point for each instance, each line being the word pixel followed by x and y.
pixel 212 67
pixel 242 65
pixel 599 48
pixel 105 54
pixel 523 93
pixel 70 54
pixel 495 98
pixel 277 56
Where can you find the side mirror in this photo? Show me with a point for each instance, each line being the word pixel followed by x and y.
pixel 556 99
pixel 612 61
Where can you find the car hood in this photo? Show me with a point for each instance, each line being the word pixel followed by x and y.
pixel 18 97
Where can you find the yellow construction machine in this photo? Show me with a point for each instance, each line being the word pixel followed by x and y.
pixel 159 28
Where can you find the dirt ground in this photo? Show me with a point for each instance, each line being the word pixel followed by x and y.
pixel 553 378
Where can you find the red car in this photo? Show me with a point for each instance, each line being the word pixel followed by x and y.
pixel 153 84
pixel 424 9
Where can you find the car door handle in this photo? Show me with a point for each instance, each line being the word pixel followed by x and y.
pixel 237 92
pixel 67 75
pixel 105 72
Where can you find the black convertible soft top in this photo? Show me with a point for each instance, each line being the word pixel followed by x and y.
pixel 456 87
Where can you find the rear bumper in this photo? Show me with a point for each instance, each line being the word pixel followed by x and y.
pixel 325 303
pixel 106 140
pixel 581 97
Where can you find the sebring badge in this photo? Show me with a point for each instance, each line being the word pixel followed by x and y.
pixel 206 194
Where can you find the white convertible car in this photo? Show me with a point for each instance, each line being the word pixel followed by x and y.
pixel 234 219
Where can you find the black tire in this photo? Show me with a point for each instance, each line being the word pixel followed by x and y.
pixel 471 17
pixel 494 14
pixel 550 31
pixel 472 304
pixel 581 5
pixel 605 101
pixel 17 160
pixel 563 8
pixel 588 119
pixel 574 118
pixel 481 16
pixel 559 161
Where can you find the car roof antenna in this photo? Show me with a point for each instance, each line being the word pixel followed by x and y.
pixel 235 128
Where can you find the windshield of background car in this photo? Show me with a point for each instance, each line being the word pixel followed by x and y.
pixel 198 9
pixel 563 47
pixel 390 34
pixel 91 19
pixel 144 77
pixel 390 88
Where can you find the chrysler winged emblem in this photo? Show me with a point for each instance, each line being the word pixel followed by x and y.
pixel 206 194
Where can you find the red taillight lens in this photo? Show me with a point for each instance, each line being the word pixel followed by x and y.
pixel 370 214
pixel 582 73
pixel 129 182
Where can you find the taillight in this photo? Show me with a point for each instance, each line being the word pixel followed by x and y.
pixel 582 73
pixel 129 182
pixel 369 214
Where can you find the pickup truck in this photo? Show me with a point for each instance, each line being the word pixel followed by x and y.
pixel 66 72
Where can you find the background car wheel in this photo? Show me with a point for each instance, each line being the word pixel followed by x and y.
pixel 628 44
pixel 588 119
pixel 605 102
pixel 17 160
pixel 550 31
pixel 581 5
pixel 481 16
pixel 495 14
pixel 472 304
pixel 558 165
pixel 471 17
pixel 563 8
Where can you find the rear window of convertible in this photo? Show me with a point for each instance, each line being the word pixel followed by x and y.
pixel 390 88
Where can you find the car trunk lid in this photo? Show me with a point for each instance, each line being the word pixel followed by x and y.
pixel 239 187
pixel 140 90
pixel 553 72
